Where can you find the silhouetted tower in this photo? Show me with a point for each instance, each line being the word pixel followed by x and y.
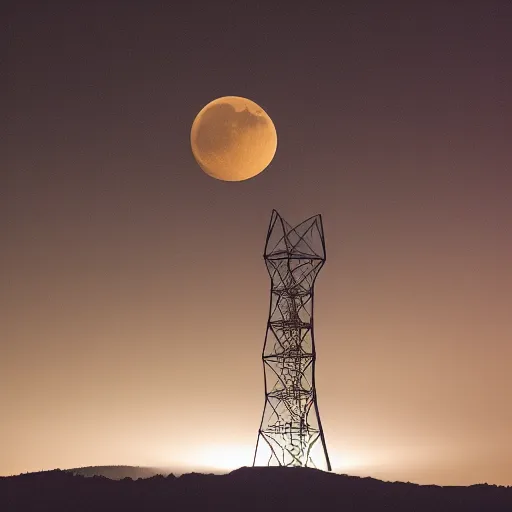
pixel 291 433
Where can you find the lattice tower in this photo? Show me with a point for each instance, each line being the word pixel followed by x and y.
pixel 290 432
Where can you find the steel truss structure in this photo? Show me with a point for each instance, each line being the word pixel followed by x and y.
pixel 290 432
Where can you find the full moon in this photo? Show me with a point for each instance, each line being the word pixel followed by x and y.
pixel 233 139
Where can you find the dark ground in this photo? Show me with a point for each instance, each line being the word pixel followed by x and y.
pixel 246 489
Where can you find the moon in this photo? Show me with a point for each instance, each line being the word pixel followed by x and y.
pixel 233 139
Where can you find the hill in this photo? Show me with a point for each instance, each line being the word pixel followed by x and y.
pixel 246 489
pixel 118 472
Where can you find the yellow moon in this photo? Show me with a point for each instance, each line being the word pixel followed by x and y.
pixel 233 139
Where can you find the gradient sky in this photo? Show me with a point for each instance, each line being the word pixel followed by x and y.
pixel 134 297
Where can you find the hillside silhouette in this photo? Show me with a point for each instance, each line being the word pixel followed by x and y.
pixel 119 472
pixel 245 489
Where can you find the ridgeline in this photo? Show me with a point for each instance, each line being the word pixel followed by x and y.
pixel 243 490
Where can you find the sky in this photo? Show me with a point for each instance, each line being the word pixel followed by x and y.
pixel 133 293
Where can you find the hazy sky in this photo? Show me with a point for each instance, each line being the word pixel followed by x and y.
pixel 133 294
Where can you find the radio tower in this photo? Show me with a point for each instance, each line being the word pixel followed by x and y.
pixel 291 433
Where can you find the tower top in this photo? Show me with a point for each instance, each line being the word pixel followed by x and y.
pixel 304 241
